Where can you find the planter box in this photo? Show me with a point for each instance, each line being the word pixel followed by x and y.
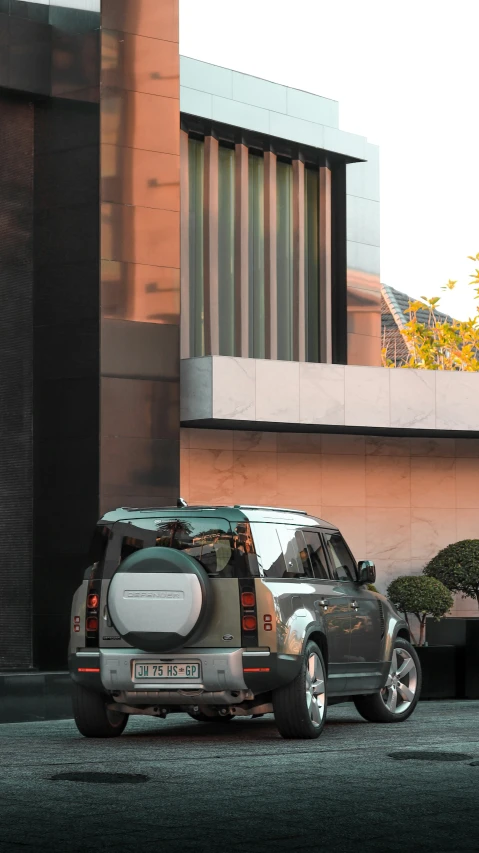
pixel 442 671
pixel 464 635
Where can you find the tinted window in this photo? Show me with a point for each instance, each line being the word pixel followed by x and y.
pixel 316 554
pixel 292 541
pixel 269 550
pixel 223 551
pixel 304 554
pixel 341 559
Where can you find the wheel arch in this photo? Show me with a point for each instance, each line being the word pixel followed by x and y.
pixel 317 636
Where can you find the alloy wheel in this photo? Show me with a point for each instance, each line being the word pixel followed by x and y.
pixel 401 684
pixel 315 689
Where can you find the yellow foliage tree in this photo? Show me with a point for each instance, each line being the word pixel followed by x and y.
pixel 440 344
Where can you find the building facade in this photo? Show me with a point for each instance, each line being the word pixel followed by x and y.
pixel 191 304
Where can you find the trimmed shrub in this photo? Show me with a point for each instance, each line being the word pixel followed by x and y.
pixel 422 596
pixel 457 567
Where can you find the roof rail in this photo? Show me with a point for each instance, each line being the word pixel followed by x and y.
pixel 272 508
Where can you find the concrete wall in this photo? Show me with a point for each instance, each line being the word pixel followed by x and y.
pixel 396 500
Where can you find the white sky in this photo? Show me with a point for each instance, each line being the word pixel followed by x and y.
pixel 406 76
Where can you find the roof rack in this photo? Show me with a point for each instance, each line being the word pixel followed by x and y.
pixel 272 508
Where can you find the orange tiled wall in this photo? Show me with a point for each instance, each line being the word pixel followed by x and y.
pixel 397 500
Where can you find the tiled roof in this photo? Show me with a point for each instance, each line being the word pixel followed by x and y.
pixel 394 316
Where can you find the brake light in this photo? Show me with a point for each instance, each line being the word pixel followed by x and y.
pixel 92 622
pixel 249 623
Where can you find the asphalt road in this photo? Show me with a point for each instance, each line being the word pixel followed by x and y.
pixel 241 787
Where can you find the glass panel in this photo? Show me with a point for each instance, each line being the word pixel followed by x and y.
pixel 268 549
pixel 226 249
pixel 311 262
pixel 284 184
pixel 304 554
pixel 223 551
pixel 196 183
pixel 316 554
pixel 256 256
pixel 340 556
pixel 294 566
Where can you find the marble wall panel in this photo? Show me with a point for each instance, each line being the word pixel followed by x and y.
pixel 413 398
pixel 398 501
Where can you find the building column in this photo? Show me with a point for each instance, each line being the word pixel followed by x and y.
pixel 270 257
pixel 325 267
pixel 241 252
pixel 299 296
pixel 184 247
pixel 210 256
pixel 140 253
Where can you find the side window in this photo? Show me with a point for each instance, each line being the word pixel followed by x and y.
pixel 304 553
pixel 341 559
pixel 291 542
pixel 268 550
pixel 316 554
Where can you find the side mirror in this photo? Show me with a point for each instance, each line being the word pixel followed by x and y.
pixel 367 571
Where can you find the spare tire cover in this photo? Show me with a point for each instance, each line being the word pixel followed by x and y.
pixel 159 599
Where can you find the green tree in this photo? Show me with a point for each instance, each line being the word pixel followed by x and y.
pixel 440 344
pixel 422 596
pixel 457 566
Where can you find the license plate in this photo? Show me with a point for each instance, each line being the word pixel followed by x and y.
pixel 184 671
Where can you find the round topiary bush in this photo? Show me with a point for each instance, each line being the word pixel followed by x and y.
pixel 421 596
pixel 457 567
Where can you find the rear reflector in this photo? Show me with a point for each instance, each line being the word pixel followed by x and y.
pixel 92 623
pixel 76 620
pixel 248 599
pixel 76 628
pixel 268 626
pixel 88 669
pixel 267 617
pixel 256 669
pixel 249 623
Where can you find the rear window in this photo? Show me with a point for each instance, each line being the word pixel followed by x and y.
pixel 224 551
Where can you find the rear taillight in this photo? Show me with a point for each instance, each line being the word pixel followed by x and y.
pixel 249 621
pixel 92 620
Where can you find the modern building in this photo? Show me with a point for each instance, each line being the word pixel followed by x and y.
pixel 191 304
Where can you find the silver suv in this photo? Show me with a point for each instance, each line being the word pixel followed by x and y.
pixel 233 611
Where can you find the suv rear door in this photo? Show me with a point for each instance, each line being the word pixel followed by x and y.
pixel 207 538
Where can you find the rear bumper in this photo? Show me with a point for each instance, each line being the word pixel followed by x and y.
pixel 225 674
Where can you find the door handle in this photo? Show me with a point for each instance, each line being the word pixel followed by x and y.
pixel 354 605
pixel 322 603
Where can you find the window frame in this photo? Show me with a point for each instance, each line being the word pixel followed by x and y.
pixel 319 531
pixel 332 568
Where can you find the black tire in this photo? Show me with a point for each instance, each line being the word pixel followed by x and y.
pixel 204 718
pixel 291 710
pixel 92 717
pixel 373 708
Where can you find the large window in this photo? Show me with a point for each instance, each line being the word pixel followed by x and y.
pixel 284 251
pixel 256 256
pixel 196 277
pixel 226 250
pixel 223 550
pixel 237 271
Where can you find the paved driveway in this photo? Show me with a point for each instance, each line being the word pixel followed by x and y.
pixel 241 787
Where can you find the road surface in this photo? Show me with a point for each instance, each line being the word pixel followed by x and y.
pixel 241 787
